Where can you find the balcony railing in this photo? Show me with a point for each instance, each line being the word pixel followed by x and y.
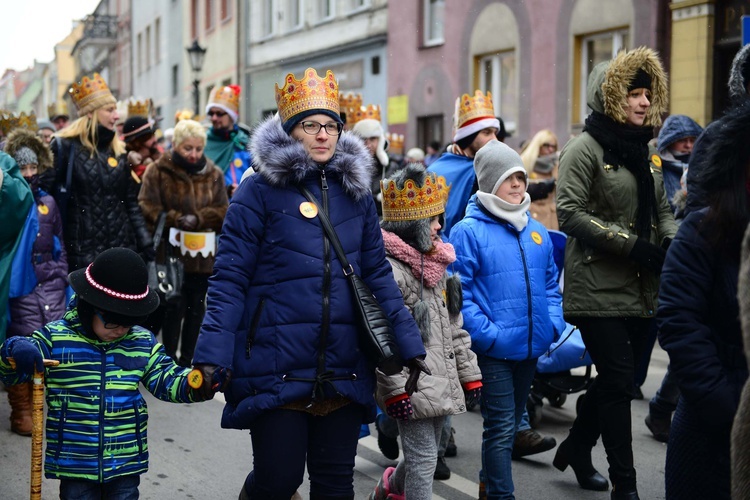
pixel 97 26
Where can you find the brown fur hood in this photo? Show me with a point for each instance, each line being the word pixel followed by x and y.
pixel 22 137
pixel 608 84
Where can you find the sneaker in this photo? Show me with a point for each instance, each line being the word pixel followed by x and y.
pixel 383 488
pixel 442 472
pixel 388 445
pixel 451 450
pixel 659 427
pixel 530 442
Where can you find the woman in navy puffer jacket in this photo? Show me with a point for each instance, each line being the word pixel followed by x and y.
pixel 280 315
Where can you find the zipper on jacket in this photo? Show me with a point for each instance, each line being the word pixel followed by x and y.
pixel 528 292
pixel 138 429
pixel 254 327
pixel 326 285
pixel 102 400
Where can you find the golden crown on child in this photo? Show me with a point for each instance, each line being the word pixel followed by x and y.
pixel 412 202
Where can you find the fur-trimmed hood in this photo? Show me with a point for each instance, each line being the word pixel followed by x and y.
pixel 729 151
pixel 737 83
pixel 22 137
pixel 607 88
pixel 283 161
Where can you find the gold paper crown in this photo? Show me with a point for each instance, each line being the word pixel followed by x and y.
pixel 10 122
pixel 395 142
pixel 139 108
pixel 226 95
pixel 91 94
pixel 183 114
pixel 369 112
pixel 348 105
pixel 57 108
pixel 312 92
pixel 470 108
pixel 412 202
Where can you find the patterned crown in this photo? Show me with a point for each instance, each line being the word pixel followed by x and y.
pixel 227 96
pixel 57 108
pixel 312 92
pixel 91 94
pixel 349 104
pixel 395 143
pixel 470 108
pixel 139 108
pixel 10 122
pixel 369 112
pixel 412 202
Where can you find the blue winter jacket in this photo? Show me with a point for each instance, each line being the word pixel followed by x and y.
pixel 460 177
pixel 512 303
pixel 279 308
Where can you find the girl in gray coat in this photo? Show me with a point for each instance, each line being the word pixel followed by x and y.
pixel 413 202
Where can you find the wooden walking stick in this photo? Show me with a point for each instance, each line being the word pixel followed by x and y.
pixel 37 427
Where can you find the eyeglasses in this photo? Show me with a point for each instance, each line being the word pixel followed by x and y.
pixel 550 146
pixel 218 114
pixel 108 325
pixel 313 128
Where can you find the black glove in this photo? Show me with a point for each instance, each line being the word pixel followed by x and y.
pixel 187 222
pixel 472 396
pixel 416 366
pixel 214 378
pixel 27 356
pixel 648 255
pixel 541 189
pixel 665 243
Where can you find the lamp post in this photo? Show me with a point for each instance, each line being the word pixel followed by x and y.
pixel 196 54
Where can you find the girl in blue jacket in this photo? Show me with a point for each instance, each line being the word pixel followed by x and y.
pixel 512 303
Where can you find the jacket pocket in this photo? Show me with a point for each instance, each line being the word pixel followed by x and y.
pixel 254 323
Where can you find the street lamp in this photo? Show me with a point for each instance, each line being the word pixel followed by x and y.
pixel 196 53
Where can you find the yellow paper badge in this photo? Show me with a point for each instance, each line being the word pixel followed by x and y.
pixel 112 162
pixel 656 160
pixel 237 162
pixel 194 241
pixel 536 237
pixel 195 379
pixel 308 209
pixel 43 209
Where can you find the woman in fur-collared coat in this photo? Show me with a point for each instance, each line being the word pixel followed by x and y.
pixel 612 205
pixel 190 189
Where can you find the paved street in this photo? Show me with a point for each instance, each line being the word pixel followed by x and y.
pixel 191 457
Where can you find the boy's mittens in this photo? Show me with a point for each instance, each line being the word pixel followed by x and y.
pixel 648 255
pixel 215 378
pixel 399 407
pixel 26 356
pixel 201 390
pixel 472 393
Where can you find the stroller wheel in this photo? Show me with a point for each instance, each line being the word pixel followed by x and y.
pixel 558 399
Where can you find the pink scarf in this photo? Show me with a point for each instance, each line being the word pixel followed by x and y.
pixel 434 264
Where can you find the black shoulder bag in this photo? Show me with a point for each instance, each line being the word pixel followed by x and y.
pixel 376 337
pixel 165 278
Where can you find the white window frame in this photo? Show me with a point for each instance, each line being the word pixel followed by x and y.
pixel 427 6
pixel 618 44
pixel 358 5
pixel 290 24
pixel 494 86
pixel 320 10
pixel 268 13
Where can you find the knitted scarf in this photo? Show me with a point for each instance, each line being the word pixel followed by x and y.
pixel 627 145
pixel 430 265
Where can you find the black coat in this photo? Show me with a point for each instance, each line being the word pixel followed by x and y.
pixel 103 210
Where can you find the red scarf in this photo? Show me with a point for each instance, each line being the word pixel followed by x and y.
pixel 432 267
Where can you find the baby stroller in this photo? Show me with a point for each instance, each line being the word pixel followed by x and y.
pixel 553 379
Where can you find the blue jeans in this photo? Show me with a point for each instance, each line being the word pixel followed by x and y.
pixel 122 488
pixel 505 387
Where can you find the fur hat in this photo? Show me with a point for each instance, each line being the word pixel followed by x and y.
pixel 23 139
pixel 494 163
pixel 116 282
pixel 369 128
pixel 414 232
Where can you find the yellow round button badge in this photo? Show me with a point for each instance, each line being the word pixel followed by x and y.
pixel 308 209
pixel 656 160
pixel 112 162
pixel 43 209
pixel 237 162
pixel 536 237
pixel 195 379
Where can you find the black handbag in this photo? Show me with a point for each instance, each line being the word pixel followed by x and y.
pixel 376 337
pixel 166 278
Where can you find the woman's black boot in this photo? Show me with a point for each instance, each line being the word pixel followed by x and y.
pixel 580 460
pixel 624 494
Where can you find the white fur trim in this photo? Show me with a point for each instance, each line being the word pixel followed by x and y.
pixel 476 127
pixel 230 112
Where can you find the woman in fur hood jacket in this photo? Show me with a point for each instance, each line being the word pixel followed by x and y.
pixel 420 259
pixel 280 311
pixel 612 205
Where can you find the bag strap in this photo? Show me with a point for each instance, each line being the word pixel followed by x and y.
pixel 159 229
pixel 69 172
pixel 329 230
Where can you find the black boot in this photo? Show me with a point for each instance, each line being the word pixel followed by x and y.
pixel 624 494
pixel 579 458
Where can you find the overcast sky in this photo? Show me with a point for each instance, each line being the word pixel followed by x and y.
pixel 31 28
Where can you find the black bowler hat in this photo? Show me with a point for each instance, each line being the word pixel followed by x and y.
pixel 116 282
pixel 135 127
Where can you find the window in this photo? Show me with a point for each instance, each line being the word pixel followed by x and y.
pixel 375 65
pixel 194 19
pixel 140 53
pixel 267 18
pixel 175 80
pixel 325 9
pixel 358 4
pixel 429 128
pixel 294 13
pixel 157 40
pixel 497 74
pixel 593 49
pixel 148 47
pixel 434 15
pixel 226 10
pixel 209 15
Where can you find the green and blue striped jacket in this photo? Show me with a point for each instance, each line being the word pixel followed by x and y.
pixel 97 418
